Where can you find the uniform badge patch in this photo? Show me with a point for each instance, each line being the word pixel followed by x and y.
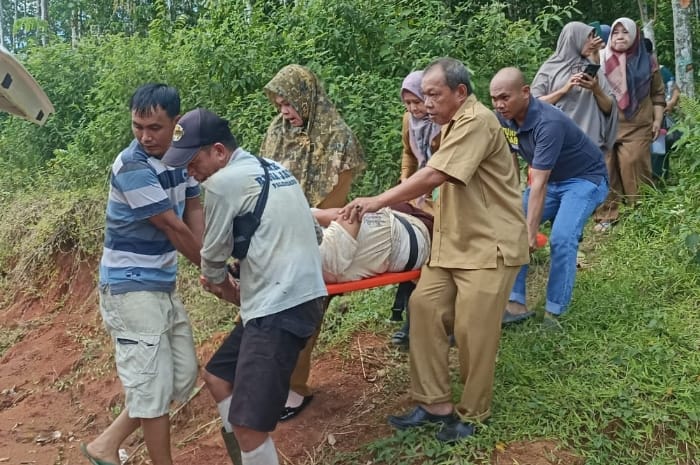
pixel 178 132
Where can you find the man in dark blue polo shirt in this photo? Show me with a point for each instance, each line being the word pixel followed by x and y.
pixel 568 180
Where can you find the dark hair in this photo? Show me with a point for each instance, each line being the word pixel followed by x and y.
pixel 455 73
pixel 150 96
pixel 649 45
pixel 229 140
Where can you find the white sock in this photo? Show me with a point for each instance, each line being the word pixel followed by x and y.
pixel 224 406
pixel 293 399
pixel 265 454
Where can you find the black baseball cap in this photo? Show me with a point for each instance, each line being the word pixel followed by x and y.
pixel 196 128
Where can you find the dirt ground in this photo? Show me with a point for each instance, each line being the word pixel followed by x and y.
pixel 58 388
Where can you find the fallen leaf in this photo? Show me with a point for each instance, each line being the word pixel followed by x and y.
pixel 331 439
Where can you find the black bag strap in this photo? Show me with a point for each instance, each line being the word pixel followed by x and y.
pixel 262 198
pixel 413 240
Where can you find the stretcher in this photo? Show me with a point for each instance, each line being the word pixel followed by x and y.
pixel 383 279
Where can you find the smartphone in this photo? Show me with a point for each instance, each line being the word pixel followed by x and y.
pixel 591 69
pixel 596 26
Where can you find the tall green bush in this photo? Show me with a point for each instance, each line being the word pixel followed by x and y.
pixel 361 49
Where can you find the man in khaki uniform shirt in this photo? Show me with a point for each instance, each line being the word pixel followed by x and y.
pixel 479 244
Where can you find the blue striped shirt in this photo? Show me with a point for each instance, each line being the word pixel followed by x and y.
pixel 137 256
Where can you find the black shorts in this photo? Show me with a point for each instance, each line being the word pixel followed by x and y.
pixel 258 360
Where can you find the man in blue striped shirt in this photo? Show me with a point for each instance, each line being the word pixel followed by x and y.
pixel 153 211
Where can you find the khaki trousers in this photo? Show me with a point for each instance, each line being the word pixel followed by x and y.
pixel 629 165
pixel 469 304
pixel 299 381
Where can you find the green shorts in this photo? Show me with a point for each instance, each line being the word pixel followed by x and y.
pixel 154 349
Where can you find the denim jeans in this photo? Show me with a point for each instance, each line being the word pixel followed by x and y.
pixel 568 204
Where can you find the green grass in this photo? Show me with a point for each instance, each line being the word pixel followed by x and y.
pixel 619 385
pixel 10 337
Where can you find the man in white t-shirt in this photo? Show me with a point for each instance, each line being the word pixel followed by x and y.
pixel 385 241
pixel 249 374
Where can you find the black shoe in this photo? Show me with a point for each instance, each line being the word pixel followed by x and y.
pixel 290 412
pixel 418 417
pixel 455 432
pixel 400 337
pixel 514 318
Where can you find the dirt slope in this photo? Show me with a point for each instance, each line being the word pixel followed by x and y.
pixel 58 388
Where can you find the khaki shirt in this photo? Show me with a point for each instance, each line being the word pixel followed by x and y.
pixel 479 213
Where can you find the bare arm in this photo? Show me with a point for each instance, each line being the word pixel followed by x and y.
pixel 535 204
pixel 179 234
pixel 194 217
pixel 675 95
pixel 324 216
pixel 425 180
pixel 352 228
pixel 557 95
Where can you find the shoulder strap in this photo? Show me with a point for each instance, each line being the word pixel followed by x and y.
pixel 413 243
pixel 262 198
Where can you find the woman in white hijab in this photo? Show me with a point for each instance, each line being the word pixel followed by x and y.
pixel 588 100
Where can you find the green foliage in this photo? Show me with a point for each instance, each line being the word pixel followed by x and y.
pixel 689 143
pixel 619 385
pixel 40 225
pixel 67 76
pixel 361 50
pixel 492 41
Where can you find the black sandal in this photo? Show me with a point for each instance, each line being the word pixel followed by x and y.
pixel 400 337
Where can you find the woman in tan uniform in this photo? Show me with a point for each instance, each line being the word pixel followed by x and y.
pixel 310 139
pixel 638 87
pixel 421 138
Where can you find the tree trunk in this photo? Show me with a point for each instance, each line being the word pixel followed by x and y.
pixel 14 36
pixel 683 45
pixel 2 30
pixel 74 29
pixel 44 17
pixel 647 23
pixel 44 10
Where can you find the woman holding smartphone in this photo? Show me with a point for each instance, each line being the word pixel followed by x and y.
pixel 575 84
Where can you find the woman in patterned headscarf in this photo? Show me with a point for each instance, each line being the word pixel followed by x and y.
pixel 310 138
pixel 634 77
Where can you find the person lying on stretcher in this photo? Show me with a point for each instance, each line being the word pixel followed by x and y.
pixel 390 240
